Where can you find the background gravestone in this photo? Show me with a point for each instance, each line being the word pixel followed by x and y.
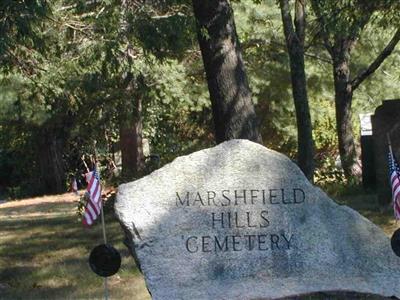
pixel 386 119
pixel 367 152
pixel 239 221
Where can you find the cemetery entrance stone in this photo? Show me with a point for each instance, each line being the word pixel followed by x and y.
pixel 239 221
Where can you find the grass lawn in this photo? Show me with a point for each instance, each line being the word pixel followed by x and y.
pixel 44 250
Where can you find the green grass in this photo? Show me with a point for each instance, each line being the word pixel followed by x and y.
pixel 44 252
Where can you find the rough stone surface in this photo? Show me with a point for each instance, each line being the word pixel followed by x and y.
pixel 268 247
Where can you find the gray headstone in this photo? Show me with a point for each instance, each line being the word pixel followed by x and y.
pixel 239 221
pixel 385 120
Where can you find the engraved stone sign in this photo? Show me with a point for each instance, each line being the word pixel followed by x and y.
pixel 239 221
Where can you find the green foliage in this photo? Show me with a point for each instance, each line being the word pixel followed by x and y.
pixel 21 24
pixel 327 174
pixel 267 64
pixel 167 35
pixel 261 33
pixel 80 209
pixel 347 18
pixel 72 70
pixel 100 57
pixel 342 187
pixel 385 81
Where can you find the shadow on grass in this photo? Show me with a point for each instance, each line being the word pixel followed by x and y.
pixel 47 257
pixel 39 292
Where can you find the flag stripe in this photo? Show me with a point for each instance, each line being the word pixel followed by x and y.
pixel 395 184
pixel 396 208
pixel 394 174
pixel 97 195
pixel 94 192
pixel 91 182
pixel 75 186
pixel 396 189
pixel 93 207
pixel 88 219
pixel 96 208
pixel 91 210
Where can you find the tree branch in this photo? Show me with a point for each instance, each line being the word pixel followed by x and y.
pixel 262 42
pixel 73 6
pixel 377 62
pixel 169 15
pixel 323 24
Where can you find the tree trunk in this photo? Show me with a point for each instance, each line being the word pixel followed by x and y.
pixel 233 111
pixel 131 141
pixel 343 100
pixel 305 143
pixel 339 48
pixel 130 112
pixel 52 169
pixel 295 45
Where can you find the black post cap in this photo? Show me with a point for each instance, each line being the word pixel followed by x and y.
pixel 105 260
pixel 395 242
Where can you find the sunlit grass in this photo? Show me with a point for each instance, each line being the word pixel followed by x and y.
pixel 44 252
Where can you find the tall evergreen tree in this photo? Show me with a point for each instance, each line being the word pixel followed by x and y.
pixel 21 25
pixel 341 25
pixel 130 112
pixel 233 111
pixel 131 128
pixel 294 36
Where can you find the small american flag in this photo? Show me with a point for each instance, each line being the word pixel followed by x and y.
pixel 74 186
pixel 394 174
pixel 93 206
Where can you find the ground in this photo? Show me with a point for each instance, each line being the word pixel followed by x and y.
pixel 44 250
